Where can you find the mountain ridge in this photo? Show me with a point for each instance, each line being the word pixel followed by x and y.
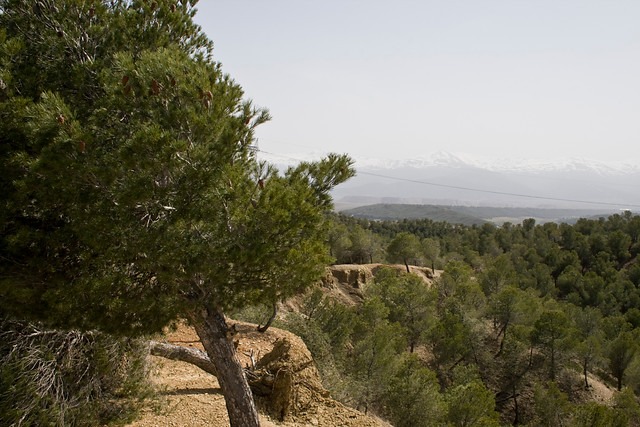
pixel 453 160
pixel 471 215
pixel 445 178
pixel 448 180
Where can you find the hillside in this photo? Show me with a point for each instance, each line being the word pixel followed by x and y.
pixel 402 211
pixel 190 397
pixel 472 215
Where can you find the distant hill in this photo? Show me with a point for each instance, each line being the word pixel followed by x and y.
pixel 444 180
pixel 470 215
pixel 400 211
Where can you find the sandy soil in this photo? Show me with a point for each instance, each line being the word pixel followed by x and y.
pixel 190 397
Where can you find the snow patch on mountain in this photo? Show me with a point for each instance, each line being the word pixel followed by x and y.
pixel 533 166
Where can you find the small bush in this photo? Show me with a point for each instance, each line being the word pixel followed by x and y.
pixel 67 378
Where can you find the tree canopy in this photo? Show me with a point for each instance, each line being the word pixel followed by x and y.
pixel 528 305
pixel 132 194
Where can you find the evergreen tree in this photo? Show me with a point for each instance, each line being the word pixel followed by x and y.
pixel 405 248
pixel 457 288
pixel 449 338
pixel 471 404
pixel 627 408
pixel 409 301
pixel 131 195
pixel 513 365
pixel 508 307
pixel 620 354
pixel 376 344
pixel 412 396
pixel 589 339
pixel 552 333
pixel 365 246
pixel 551 405
pixel 431 251
pixel 596 415
pixel 339 241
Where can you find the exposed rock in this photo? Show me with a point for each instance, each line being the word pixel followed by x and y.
pixel 280 368
pixel 284 380
pixel 287 379
pixel 346 282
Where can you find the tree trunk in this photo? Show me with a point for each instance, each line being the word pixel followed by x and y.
pixel 213 331
pixel 183 354
pixel 271 319
pixel 516 418
pixel 586 378
pixel 619 378
pixel 406 264
pixel 502 332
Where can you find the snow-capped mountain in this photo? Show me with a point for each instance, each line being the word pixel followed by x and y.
pixel 460 179
pixel 444 158
pixel 440 158
pixel 446 178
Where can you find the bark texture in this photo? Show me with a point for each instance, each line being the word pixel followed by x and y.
pixel 274 313
pixel 213 331
pixel 183 354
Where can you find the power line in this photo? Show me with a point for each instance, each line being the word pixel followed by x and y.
pixel 477 190
pixel 504 193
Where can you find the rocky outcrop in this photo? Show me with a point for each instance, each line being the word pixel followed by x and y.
pixel 287 381
pixel 346 283
pixel 293 391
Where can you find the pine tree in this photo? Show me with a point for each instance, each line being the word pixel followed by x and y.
pixel 410 302
pixel 405 248
pixel 552 334
pixel 131 193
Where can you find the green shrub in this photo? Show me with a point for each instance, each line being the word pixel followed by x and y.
pixel 68 378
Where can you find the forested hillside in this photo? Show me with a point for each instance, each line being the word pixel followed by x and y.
pixel 470 215
pixel 527 324
pixel 400 211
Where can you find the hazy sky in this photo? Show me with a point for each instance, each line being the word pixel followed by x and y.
pixel 400 79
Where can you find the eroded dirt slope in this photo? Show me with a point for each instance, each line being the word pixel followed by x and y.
pixel 190 397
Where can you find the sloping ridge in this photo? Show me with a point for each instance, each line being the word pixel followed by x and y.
pixel 346 282
pixel 293 392
pixel 384 211
pixel 285 380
